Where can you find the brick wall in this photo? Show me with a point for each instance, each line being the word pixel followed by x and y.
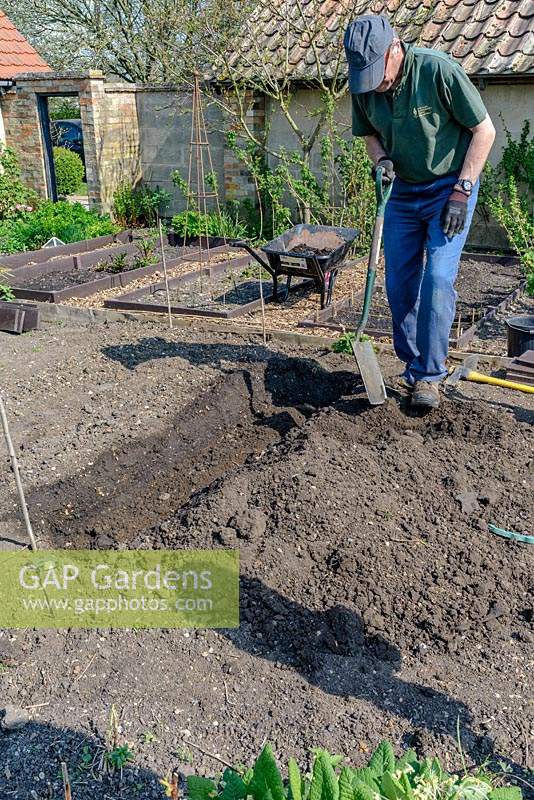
pixel 22 134
pixel 109 122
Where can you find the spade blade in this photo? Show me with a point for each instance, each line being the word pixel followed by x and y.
pixel 370 371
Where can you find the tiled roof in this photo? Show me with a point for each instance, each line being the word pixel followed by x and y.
pixel 16 54
pixel 487 37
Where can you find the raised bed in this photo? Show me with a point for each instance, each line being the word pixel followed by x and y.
pixel 485 285
pixel 17 260
pixel 218 291
pixel 76 275
pixel 18 317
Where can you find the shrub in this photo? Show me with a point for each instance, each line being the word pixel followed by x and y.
pixel 385 776
pixel 70 222
pixel 507 192
pixel 69 170
pixel 193 224
pixel 14 195
pixel 139 207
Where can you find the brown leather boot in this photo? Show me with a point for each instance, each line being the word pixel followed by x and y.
pixel 426 394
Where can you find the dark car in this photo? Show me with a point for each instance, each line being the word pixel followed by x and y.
pixel 68 133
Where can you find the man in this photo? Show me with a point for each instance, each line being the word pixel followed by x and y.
pixel 425 124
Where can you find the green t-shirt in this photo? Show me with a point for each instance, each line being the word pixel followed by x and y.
pixel 423 124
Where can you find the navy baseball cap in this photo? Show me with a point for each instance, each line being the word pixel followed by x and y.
pixel 366 43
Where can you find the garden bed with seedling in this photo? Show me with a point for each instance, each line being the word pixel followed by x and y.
pixel 486 284
pixel 86 273
pixel 224 290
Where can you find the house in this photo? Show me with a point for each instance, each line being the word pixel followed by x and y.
pixel 16 56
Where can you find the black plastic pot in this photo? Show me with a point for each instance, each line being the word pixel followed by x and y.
pixel 175 240
pixel 520 335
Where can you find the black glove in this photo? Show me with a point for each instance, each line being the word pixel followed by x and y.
pixel 388 172
pixel 454 214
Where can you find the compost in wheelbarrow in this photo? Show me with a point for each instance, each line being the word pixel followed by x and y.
pixel 312 251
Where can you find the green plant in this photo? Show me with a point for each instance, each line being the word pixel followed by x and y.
pixel 344 343
pixel 192 224
pixel 70 222
pixel 340 192
pixel 146 254
pixel 69 170
pixel 63 108
pixel 136 207
pixel 117 758
pixel 384 777
pixel 15 197
pixel 507 192
pixel 116 265
pixel 6 292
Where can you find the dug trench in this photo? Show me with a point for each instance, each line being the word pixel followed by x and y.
pixel 368 574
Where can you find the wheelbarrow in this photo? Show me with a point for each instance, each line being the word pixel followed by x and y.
pixel 322 268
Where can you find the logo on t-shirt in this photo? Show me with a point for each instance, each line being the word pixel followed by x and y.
pixel 422 111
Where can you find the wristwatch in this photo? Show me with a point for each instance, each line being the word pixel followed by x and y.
pixel 465 185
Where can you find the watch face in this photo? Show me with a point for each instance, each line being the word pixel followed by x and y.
pixel 467 185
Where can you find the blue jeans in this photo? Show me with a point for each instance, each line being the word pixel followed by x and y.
pixel 421 295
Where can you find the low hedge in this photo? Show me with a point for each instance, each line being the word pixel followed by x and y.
pixel 69 171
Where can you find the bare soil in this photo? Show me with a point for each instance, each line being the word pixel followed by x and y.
pixel 374 601
pixel 62 279
pixel 319 242
pixel 217 293
pixel 480 285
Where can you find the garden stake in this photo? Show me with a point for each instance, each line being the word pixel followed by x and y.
pixel 262 310
pixel 164 262
pixel 15 467
pixel 66 781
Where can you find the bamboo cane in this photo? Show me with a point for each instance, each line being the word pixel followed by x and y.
pixel 164 262
pixel 15 467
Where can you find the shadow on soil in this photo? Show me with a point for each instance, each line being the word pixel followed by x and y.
pixel 331 650
pixel 148 349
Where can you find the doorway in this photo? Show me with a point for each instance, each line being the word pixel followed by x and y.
pixel 63 139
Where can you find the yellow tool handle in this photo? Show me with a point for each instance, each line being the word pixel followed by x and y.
pixel 478 377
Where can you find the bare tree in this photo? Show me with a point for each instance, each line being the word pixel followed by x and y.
pixel 266 50
pixel 136 40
